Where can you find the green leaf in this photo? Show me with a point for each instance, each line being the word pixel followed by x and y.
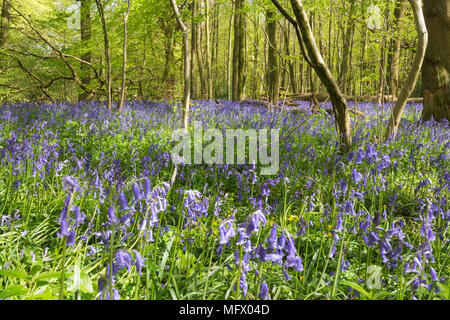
pixel 86 283
pixel 165 257
pixel 45 276
pixel 13 274
pixel 445 290
pixel 45 295
pixel 13 291
pixel 35 268
pixel 356 286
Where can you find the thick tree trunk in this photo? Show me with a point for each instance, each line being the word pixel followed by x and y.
pixel 4 28
pixel 411 80
pixel 6 17
pixel 436 67
pixel 85 28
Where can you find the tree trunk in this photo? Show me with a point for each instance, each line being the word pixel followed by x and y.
pixel 315 60
pixel 187 63
pixel 85 27
pixel 229 58
pixel 290 63
pixel 394 58
pixel 436 68
pixel 208 52
pixel 273 61
pixel 238 52
pixel 124 63
pixel 168 77
pixel 342 79
pixel 6 17
pixel 107 54
pixel 411 80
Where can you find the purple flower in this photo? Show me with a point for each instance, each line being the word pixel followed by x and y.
pixel 356 176
pixel 272 239
pixel 123 201
pixel 123 260
pixel 70 181
pixel 79 216
pixel 137 192
pixel 226 231
pixel 112 218
pixel 263 291
pixel 139 261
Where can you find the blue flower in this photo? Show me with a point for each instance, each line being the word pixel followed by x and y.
pixel 356 176
pixel 123 201
pixel 263 291
pixel 112 218
pixel 139 261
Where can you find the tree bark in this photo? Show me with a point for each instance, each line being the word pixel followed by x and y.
pixel 6 17
pixel 436 68
pixel 411 80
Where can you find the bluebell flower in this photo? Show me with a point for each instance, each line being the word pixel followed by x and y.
pixel 72 182
pixel 139 261
pixel 136 192
pixel 356 176
pixel 123 260
pixel 263 291
pixel 226 232
pixel 112 218
pixel 79 216
pixel 123 201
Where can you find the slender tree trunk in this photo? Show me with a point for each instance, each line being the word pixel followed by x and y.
pixel 411 80
pixel 229 56
pixel 107 54
pixel 436 68
pixel 85 28
pixel 168 77
pixel 193 68
pixel 124 63
pixel 342 79
pixel 315 59
pixel 273 61
pixel 187 63
pixel 399 12
pixel 238 52
pixel 293 83
pixel 208 52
